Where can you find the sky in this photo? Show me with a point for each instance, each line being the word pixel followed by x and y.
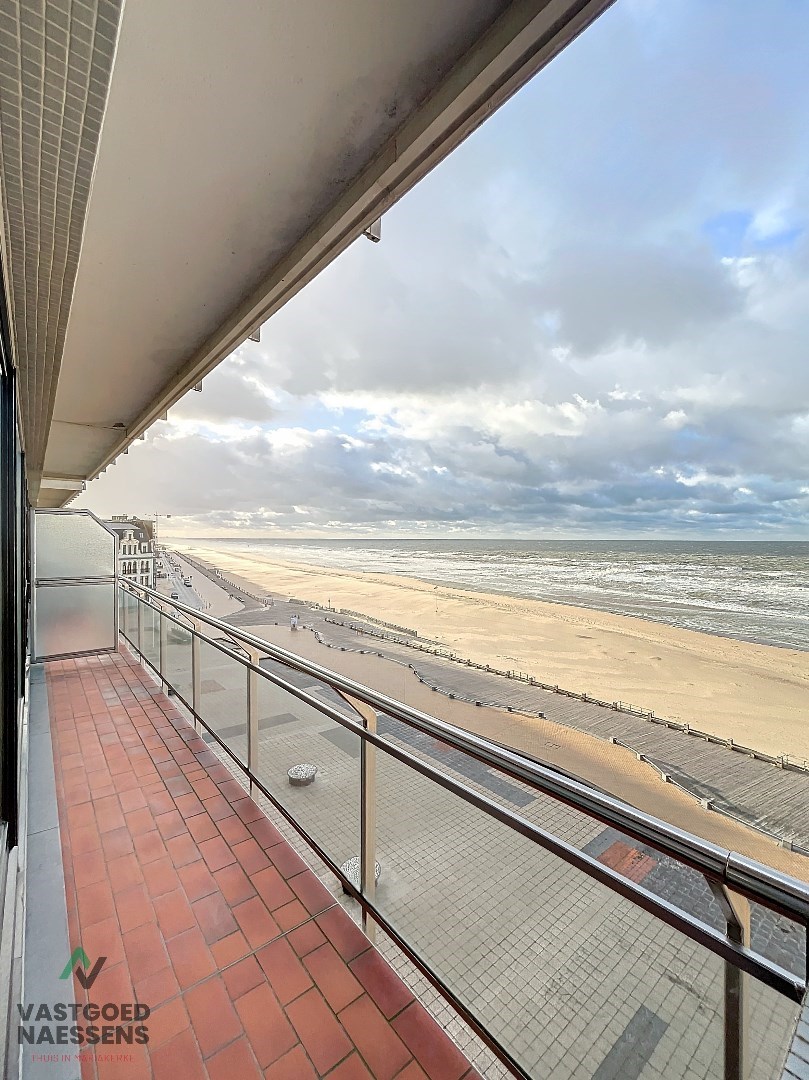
pixel 591 320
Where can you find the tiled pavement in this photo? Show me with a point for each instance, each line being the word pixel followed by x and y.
pixel 205 914
pixel 773 936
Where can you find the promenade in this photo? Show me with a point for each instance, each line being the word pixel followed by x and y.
pixel 576 971
pixel 737 786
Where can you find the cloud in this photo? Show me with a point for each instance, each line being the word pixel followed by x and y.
pixel 233 391
pixel 591 319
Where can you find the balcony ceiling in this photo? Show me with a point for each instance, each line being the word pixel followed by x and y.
pixel 243 147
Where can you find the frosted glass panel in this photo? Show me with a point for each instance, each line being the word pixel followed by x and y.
pixel 71 545
pixel 74 618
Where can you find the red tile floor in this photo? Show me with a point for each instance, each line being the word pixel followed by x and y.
pixel 249 965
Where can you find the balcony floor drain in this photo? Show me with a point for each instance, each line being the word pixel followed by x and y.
pixel 351 870
pixel 301 775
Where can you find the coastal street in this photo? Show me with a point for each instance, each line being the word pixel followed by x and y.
pixel 175 583
pixel 204 593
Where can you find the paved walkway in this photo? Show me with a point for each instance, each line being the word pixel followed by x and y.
pixel 748 789
pixel 205 914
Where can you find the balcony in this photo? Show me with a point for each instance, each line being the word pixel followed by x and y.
pixel 203 911
pixel 285 866
pixel 154 840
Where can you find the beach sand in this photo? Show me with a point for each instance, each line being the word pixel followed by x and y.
pixel 755 694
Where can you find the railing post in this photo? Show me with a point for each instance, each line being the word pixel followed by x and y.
pixel 195 673
pixel 735 1018
pixel 140 626
pixel 368 820
pixel 163 644
pixel 252 719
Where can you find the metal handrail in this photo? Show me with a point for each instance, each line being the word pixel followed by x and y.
pixel 782 893
pixel 721 868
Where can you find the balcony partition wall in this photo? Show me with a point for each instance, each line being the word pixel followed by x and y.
pixel 75 574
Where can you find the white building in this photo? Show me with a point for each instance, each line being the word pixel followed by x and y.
pixel 136 554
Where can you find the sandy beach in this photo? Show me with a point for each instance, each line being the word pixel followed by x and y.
pixel 755 694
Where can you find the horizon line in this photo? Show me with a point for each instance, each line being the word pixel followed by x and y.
pixel 519 539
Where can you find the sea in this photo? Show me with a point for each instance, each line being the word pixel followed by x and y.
pixel 752 590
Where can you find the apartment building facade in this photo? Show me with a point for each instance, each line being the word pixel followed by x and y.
pixel 136 556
